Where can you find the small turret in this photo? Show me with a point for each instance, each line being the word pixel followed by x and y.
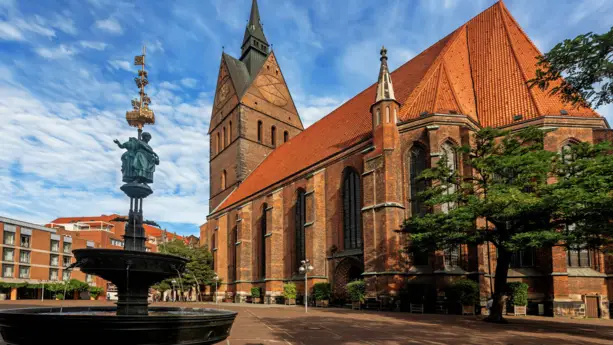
pixel 385 109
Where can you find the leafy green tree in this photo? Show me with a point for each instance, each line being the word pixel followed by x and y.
pixel 586 63
pixel 584 195
pixel 198 270
pixel 503 200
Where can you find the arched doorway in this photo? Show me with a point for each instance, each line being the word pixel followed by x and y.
pixel 346 271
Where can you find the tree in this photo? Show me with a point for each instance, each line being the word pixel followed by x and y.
pixel 503 200
pixel 584 195
pixel 198 270
pixel 586 62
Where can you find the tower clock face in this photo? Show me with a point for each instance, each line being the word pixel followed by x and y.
pixel 273 89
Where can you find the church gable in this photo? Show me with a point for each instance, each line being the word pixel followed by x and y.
pixel 269 93
pixel 226 97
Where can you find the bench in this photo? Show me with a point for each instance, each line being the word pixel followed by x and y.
pixel 416 308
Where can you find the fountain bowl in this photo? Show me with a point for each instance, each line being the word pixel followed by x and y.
pixel 100 325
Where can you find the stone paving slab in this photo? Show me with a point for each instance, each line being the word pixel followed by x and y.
pixel 274 325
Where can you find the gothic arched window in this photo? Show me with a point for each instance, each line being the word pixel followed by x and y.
pixel 300 221
pixel 223 180
pixel 218 142
pixel 273 136
pixel 259 131
pixel 449 151
pixel 230 131
pixel 263 242
pixel 417 164
pixel 225 138
pixel 285 136
pixel 352 215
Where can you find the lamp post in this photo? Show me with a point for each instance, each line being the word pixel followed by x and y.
pixel 305 268
pixel 216 278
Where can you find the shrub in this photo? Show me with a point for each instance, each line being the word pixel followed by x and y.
pixel 518 293
pixel 464 291
pixel 77 285
pixel 95 291
pixel 322 291
pixel 255 292
pixel 289 290
pixel 356 290
pixel 59 296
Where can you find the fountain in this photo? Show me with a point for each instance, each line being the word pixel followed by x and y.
pixel 133 270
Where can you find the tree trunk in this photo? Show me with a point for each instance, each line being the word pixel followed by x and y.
pixel 500 282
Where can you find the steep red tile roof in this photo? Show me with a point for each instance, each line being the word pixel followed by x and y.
pixel 157 232
pixel 103 218
pixel 479 70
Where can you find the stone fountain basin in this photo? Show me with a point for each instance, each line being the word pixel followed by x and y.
pixel 145 268
pixel 100 325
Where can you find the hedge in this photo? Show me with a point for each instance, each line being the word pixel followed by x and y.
pixel 322 291
pixel 518 293
pixel 356 290
pixel 464 291
pixel 289 290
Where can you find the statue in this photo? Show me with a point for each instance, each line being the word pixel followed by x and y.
pixel 139 161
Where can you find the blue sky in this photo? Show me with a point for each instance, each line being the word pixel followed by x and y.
pixel 66 81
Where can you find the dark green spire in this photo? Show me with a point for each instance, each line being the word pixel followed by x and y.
pixel 255 46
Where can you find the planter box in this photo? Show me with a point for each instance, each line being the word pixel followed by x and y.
pixel 322 303
pixel 468 310
pixel 519 310
pixel 290 301
pixel 356 305
pixel 255 300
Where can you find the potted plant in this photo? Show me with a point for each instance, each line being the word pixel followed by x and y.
pixel 289 293
pixel 322 292
pixel 517 293
pixel 356 290
pixel 466 293
pixel 94 292
pixel 255 295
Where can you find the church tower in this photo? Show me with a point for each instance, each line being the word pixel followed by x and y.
pixel 253 112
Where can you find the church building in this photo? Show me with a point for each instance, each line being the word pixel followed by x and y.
pixel 335 193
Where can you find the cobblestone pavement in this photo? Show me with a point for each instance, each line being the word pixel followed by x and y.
pixel 268 325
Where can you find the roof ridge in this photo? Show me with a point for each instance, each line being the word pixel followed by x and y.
pixel 436 62
pixel 453 92
pixel 520 66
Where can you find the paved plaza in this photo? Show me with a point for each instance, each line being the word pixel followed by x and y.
pixel 290 325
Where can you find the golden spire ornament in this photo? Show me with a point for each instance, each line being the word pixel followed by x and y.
pixel 140 113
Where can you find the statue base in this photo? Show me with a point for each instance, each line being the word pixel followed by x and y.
pixel 136 190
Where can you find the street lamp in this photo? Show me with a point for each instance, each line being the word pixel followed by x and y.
pixel 216 278
pixel 305 268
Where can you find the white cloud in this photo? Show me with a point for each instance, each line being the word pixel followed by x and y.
pixel 156 46
pixel 33 27
pixel 169 86
pixel 189 82
pixel 314 108
pixel 9 32
pixel 93 45
pixel 110 25
pixel 60 52
pixel 121 64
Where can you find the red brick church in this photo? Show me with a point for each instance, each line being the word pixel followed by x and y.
pixel 335 192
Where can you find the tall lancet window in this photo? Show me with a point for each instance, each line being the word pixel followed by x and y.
pixel 417 164
pixel 225 137
pixel 218 142
pixel 263 241
pixel 352 217
pixel 449 151
pixel 223 180
pixel 273 136
pixel 300 221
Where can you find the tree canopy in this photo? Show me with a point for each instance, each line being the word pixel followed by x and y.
pixel 586 63
pixel 517 196
pixel 197 271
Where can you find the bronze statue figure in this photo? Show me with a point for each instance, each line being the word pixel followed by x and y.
pixel 139 161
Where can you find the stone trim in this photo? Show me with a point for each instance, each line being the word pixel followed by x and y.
pixel 375 157
pixel 214 249
pixel 25 224
pixel 308 224
pixel 309 193
pixel 268 208
pixel 436 154
pixel 346 253
pixel 268 234
pixel 243 205
pixel 368 149
pixel 433 127
pixel 294 278
pixel 239 220
pixel 280 189
pixel 221 214
pixel 368 172
pixel 216 228
pixel 237 243
pixel 381 205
